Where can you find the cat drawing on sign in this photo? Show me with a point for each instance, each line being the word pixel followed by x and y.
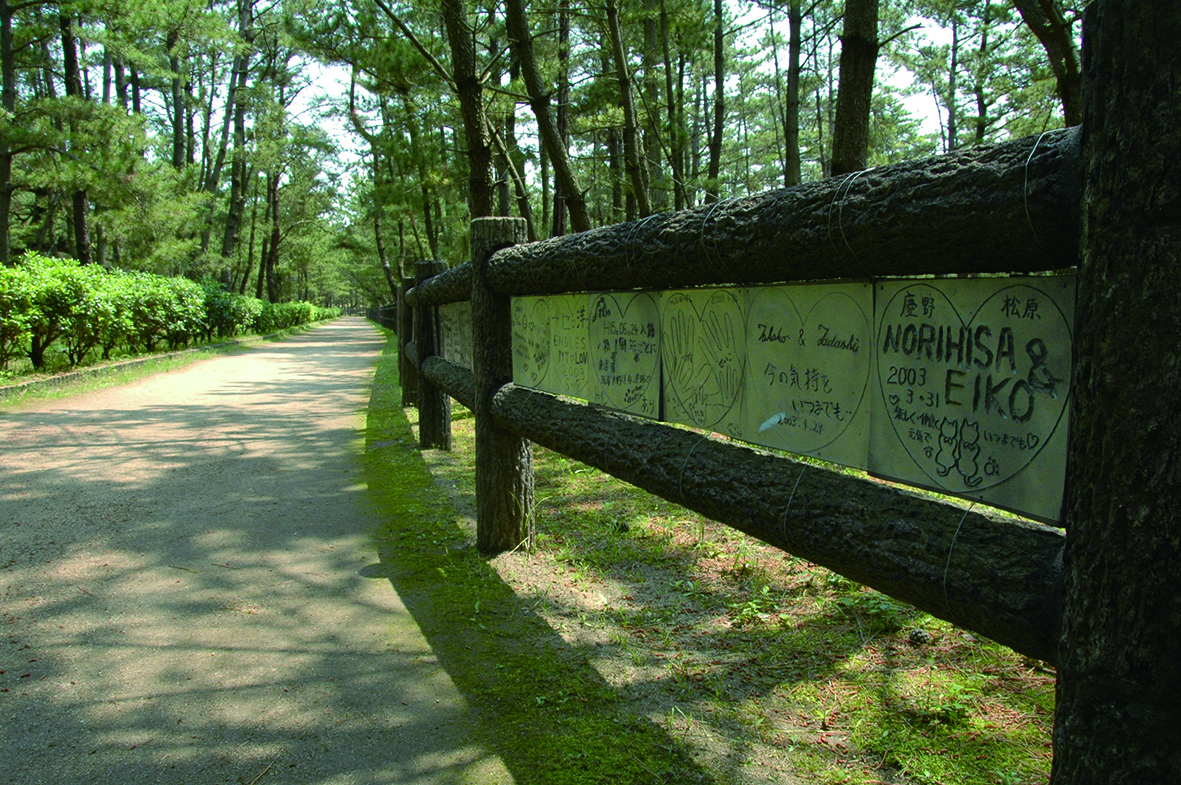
pixel 968 451
pixel 948 436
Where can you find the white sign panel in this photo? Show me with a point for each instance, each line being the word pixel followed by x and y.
pixel 704 354
pixel 972 386
pixel 625 352
pixel 809 351
pixel 455 322
pixel 550 343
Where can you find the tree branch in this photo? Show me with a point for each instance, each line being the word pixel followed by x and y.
pixel 413 39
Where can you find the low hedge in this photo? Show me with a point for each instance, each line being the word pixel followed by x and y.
pixel 44 301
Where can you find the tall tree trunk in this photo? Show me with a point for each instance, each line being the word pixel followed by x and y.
pixel 249 266
pixel 481 188
pixel 522 42
pixel 981 85
pixel 558 226
pixel 715 138
pixel 676 136
pixel 428 223
pixel 120 83
pixel 792 174
pixel 8 102
pixel 136 97
pixel 631 152
pixel 952 114
pixel 1119 680
pixel 1046 20
pixel 81 200
pixel 238 79
pixel 177 99
pixel 859 56
pixel 272 255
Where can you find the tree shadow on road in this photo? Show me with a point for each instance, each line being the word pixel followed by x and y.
pixel 186 587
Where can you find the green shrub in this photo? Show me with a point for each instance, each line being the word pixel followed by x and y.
pixel 57 293
pixel 228 313
pixel 16 300
pixel 184 316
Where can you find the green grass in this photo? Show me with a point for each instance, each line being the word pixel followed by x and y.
pixel 549 715
pixel 754 665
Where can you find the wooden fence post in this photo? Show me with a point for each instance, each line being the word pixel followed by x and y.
pixel 434 405
pixel 1118 716
pixel 504 461
pixel 407 373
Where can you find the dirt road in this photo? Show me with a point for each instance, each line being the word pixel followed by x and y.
pixel 187 587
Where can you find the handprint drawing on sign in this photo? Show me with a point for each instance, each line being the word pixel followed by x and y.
pixel 721 347
pixel 681 339
pixel 704 355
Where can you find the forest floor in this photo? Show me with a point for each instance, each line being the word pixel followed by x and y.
pixel 244 571
pixel 744 664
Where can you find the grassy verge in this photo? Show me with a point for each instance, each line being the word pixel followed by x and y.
pixel 639 642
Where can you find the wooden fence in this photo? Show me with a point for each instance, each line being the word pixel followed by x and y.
pixel 1008 208
pixel 1102 606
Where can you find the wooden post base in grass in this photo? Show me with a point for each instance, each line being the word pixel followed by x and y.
pixel 504 461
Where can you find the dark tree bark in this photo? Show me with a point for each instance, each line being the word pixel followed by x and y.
pixel 1005 581
pixel 953 130
pixel 522 42
pixel 631 143
pixel 1119 680
pixel 791 114
pixel 481 183
pixel 980 86
pixel 80 197
pixel 271 257
pixel 504 461
pixel 713 187
pixel 8 102
pixel 177 100
pixel 407 372
pixel 676 143
pixel 237 206
pixel 999 208
pixel 859 56
pixel 434 405
pixel 1046 20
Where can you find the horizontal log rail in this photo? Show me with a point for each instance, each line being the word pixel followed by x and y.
pixel 1006 208
pixel 999 577
pixel 457 381
pixel 452 286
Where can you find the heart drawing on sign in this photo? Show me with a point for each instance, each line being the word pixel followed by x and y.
pixel 568 350
pixel 531 340
pixel 625 351
pixel 973 402
pixel 809 374
pixel 705 353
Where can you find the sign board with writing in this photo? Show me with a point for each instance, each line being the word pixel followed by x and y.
pixel 972 385
pixel 550 340
pixel 455 329
pixel 624 351
pixel 704 357
pixel 809 352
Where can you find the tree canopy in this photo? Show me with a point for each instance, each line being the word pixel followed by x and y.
pixel 295 150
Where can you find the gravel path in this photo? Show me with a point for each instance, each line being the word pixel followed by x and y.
pixel 188 591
